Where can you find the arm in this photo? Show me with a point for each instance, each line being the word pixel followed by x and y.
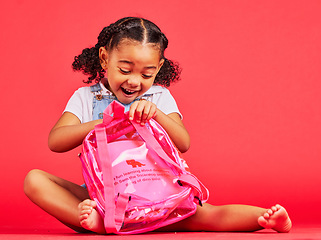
pixel 144 110
pixel 69 132
pixel 175 128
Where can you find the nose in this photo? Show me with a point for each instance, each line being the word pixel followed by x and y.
pixel 134 81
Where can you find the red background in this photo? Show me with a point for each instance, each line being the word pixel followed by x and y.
pixel 250 95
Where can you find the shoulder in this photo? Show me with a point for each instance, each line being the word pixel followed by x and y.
pixel 83 90
pixel 157 94
pixel 158 90
pixel 83 93
pixel 163 99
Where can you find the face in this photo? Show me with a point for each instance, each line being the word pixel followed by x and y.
pixel 131 68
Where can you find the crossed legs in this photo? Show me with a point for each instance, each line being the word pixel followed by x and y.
pixel 70 204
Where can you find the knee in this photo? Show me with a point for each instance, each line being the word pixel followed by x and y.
pixel 33 181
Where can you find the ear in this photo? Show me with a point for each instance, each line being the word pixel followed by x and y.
pixel 161 62
pixel 103 57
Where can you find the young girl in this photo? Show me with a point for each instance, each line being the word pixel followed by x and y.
pixel 129 65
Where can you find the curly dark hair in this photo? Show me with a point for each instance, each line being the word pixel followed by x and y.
pixel 137 29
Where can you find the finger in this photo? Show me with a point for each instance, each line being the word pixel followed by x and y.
pixel 132 110
pixel 140 110
pixel 152 112
pixel 146 113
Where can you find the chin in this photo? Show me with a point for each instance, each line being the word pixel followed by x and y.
pixel 125 102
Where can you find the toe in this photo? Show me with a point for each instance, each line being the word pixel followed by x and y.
pixel 83 217
pixel 278 206
pixel 85 211
pixel 93 203
pixel 274 208
pixel 86 207
pixel 266 215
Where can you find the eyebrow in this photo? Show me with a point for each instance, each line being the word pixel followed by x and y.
pixel 131 63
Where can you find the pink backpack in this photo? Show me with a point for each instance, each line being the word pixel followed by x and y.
pixel 136 175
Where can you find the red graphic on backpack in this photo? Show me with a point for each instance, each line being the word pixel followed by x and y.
pixel 134 163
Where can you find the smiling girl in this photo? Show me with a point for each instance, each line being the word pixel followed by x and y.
pixel 129 66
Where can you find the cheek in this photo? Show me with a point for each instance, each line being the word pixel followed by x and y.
pixel 113 78
pixel 148 84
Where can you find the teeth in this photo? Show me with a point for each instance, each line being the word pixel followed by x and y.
pixel 128 91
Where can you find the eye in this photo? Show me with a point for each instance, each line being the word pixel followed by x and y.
pixel 147 76
pixel 124 71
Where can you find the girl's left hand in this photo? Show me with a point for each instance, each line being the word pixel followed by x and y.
pixel 142 111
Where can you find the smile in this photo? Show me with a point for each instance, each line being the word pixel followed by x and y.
pixel 128 91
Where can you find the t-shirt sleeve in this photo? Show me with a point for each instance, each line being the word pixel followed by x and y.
pixel 75 105
pixel 167 104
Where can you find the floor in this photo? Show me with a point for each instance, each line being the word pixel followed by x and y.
pixel 306 232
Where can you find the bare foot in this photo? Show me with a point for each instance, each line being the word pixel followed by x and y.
pixel 276 218
pixel 89 217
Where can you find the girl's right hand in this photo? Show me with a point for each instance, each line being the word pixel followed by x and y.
pixel 69 132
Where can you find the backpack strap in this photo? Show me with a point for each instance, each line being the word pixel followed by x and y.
pixel 109 191
pixel 114 215
pixel 186 177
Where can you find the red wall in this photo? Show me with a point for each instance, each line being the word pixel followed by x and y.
pixel 250 95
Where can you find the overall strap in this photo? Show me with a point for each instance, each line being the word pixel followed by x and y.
pixel 97 91
pixel 95 88
pixel 100 101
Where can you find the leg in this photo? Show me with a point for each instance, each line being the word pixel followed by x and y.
pixel 58 197
pixel 227 218
pixel 223 218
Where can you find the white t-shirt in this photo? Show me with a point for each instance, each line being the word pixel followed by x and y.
pixel 81 102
